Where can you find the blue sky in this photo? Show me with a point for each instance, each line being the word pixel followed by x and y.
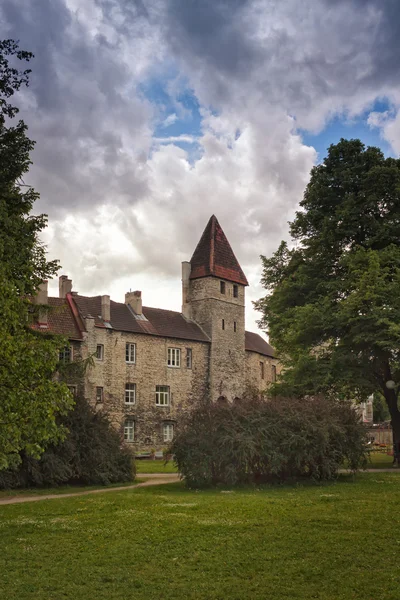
pixel 179 115
pixel 356 127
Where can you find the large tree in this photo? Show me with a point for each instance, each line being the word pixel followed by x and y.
pixel 332 306
pixel 30 398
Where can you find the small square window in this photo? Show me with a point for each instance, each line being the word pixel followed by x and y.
pixel 130 393
pixel 174 357
pixel 168 432
pixel 130 353
pixel 188 358
pixel 222 287
pixel 100 352
pixel 65 355
pixel 162 395
pixel 99 395
pixel 235 291
pixel 262 370
pixel 223 323
pixel 129 430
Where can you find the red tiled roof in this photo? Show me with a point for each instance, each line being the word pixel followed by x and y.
pixel 89 306
pixel 159 322
pixel 214 256
pixel 60 320
pixel 255 343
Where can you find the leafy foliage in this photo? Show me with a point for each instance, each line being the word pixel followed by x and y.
pixel 29 397
pixel 91 453
pixel 332 306
pixel 256 440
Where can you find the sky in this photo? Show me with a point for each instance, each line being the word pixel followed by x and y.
pixel 150 116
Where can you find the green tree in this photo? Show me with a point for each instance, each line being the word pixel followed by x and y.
pixel 30 398
pixel 332 306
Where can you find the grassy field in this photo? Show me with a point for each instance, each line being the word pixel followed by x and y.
pixel 155 466
pixel 338 541
pixel 380 460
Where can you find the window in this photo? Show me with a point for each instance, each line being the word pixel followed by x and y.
pixel 130 352
pixel 129 430
pixel 65 354
pixel 235 291
pixel 168 432
pixel 222 287
pixel 72 389
pixel 162 395
pixel 223 323
pixel 262 370
pixel 99 395
pixel 273 373
pixel 234 326
pixel 188 358
pixel 174 357
pixel 130 393
pixel 99 351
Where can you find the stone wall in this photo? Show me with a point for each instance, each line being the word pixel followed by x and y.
pixel 73 373
pixel 221 316
pixel 254 371
pixel 187 385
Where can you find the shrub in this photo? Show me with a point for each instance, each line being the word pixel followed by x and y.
pixel 256 440
pixel 90 454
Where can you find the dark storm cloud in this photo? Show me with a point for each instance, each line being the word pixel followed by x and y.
pixel 246 58
pixel 296 54
pixel 385 36
pixel 264 66
pixel 78 109
pixel 212 31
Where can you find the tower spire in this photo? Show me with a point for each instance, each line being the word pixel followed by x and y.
pixel 214 256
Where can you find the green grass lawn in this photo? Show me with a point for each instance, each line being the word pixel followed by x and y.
pixel 155 466
pixel 332 542
pixel 380 460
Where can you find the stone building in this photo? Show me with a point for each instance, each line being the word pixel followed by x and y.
pixel 151 365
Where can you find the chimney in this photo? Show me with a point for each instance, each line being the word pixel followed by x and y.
pixel 42 298
pixel 186 308
pixel 134 299
pixel 105 308
pixel 64 286
pixel 89 324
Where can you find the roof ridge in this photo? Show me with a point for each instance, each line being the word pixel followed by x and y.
pixel 176 312
pixel 214 221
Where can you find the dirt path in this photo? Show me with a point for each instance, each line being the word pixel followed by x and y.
pixel 152 479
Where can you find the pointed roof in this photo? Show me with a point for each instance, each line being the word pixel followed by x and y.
pixel 214 256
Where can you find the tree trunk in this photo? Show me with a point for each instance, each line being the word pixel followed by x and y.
pixel 391 400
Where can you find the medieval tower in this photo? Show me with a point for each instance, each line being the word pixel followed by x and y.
pixel 151 366
pixel 213 295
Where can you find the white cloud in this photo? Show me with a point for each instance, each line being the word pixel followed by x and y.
pixel 188 139
pixel 125 206
pixel 170 120
pixel 389 124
